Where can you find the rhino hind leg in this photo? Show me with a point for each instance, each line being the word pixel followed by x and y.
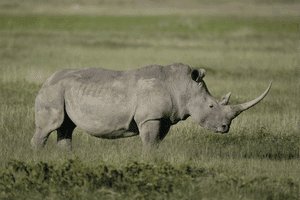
pixel 64 133
pixel 49 115
pixel 47 120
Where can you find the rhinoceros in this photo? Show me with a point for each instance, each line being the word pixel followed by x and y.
pixel 117 104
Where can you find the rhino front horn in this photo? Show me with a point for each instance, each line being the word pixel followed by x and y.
pixel 237 109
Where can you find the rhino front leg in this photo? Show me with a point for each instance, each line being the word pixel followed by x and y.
pixel 152 133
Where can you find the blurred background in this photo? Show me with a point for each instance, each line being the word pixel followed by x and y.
pixel 39 36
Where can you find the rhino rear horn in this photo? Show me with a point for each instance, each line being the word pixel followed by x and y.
pixel 225 99
pixel 237 109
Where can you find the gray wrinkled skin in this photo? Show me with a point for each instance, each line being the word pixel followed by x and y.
pixel 116 104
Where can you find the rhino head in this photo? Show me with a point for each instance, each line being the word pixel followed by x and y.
pixel 210 113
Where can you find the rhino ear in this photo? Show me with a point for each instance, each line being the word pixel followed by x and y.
pixel 225 99
pixel 198 74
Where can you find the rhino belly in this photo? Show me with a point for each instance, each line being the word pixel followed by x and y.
pixel 116 134
pixel 107 117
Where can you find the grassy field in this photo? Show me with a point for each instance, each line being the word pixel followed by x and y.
pixel 242 45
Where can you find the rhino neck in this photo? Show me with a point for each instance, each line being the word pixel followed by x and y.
pixel 176 117
pixel 177 81
pixel 179 99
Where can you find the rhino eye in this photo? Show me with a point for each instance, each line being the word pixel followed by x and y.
pixel 211 105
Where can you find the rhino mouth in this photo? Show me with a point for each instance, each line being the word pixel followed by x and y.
pixel 221 129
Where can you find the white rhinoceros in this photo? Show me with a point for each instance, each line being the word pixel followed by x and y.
pixel 115 104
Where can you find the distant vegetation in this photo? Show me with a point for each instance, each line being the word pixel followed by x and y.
pixel 242 45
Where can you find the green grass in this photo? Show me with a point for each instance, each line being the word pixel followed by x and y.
pixel 257 159
pixel 76 180
pixel 151 24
